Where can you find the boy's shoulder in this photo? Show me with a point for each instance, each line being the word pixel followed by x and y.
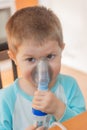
pixel 8 91
pixel 67 80
pixel 65 77
pixel 69 84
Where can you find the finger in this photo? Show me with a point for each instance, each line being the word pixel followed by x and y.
pixel 32 127
pixel 40 93
pixel 38 107
pixel 41 108
pixel 40 128
pixel 39 102
pixel 37 98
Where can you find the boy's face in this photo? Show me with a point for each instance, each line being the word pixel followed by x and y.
pixel 28 54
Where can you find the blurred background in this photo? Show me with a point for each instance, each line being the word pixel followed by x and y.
pixel 73 16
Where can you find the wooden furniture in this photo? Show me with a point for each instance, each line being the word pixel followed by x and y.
pixel 78 122
pixel 4 56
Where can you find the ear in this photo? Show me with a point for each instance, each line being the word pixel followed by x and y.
pixel 12 56
pixel 63 46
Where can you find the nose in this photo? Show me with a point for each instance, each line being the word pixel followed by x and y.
pixel 41 73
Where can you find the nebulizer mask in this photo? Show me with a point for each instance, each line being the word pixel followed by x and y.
pixel 42 74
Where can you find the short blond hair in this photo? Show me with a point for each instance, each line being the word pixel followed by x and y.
pixel 37 23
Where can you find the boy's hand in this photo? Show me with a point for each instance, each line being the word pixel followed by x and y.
pixel 47 102
pixel 35 128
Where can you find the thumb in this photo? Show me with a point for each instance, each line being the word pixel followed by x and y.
pixel 33 127
pixel 40 128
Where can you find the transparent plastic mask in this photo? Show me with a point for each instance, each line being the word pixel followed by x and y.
pixel 42 73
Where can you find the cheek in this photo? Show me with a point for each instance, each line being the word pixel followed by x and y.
pixel 55 69
pixel 26 73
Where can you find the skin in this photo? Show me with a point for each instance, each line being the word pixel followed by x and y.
pixel 35 128
pixel 26 59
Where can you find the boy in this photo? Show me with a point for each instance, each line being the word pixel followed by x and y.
pixel 35 33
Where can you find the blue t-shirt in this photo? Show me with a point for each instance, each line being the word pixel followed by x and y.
pixel 16 105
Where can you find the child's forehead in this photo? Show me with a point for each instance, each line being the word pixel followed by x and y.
pixel 40 43
pixel 46 46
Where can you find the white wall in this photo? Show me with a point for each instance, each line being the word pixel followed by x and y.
pixel 7 8
pixel 73 16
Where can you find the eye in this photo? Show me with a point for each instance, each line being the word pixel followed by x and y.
pixel 32 60
pixel 50 56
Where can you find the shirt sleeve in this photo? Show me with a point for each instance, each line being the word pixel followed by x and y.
pixel 5 113
pixel 75 102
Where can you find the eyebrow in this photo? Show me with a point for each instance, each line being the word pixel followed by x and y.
pixel 28 55
pixel 47 53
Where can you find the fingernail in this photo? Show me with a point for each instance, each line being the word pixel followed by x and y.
pixel 35 124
